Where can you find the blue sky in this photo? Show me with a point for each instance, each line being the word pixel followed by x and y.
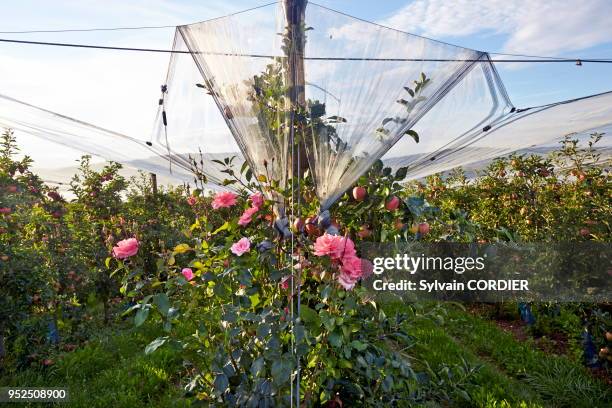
pixel 99 85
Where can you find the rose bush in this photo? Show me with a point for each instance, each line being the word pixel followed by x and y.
pixel 246 283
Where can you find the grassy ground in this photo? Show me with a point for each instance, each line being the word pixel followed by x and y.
pixel 112 370
pixel 513 373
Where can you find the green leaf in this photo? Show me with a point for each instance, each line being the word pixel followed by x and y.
pixel 224 227
pixel 400 174
pixel 262 331
pixel 155 344
pixel 107 262
pixel 281 370
pixel 345 364
pixel 336 118
pixel 244 167
pixel 410 91
pixel 309 316
pixel 358 345
pixel 162 302
pixel 335 339
pixel 412 134
pixel 141 315
pixel 326 292
pixel 258 366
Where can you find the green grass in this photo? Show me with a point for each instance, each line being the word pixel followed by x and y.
pixel 559 381
pixel 513 374
pixel 111 371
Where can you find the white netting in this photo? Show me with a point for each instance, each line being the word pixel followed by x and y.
pixel 341 91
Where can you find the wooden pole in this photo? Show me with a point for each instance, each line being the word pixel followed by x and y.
pixel 154 183
pixel 295 13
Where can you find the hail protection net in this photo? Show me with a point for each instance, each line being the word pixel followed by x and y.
pixel 307 88
pixel 189 127
pixel 86 138
pixel 350 92
pixel 340 90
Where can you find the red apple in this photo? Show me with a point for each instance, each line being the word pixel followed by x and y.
pixel 359 193
pixel 392 203
pixel 585 232
pixel 423 228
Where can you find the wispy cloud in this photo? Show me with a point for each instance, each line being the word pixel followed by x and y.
pixel 538 27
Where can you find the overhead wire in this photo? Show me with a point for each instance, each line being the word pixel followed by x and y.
pixel 167 51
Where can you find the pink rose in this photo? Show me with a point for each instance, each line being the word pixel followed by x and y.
pixel 257 200
pixel 247 216
pixel 224 199
pixel 334 245
pixel 126 248
pixel 192 201
pixel 187 273
pixel 352 267
pixel 5 210
pixel 346 282
pixel 241 247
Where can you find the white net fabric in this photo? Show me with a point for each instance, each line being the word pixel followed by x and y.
pixel 362 88
pixel 341 91
pixel 93 140
pixel 523 130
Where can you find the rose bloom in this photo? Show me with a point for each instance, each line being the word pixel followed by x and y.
pixel 241 247
pixel 192 201
pixel 257 200
pixel 352 267
pixel 224 199
pixel 346 282
pixel 5 210
pixel 126 248
pixel 187 273
pixel 334 245
pixel 247 216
